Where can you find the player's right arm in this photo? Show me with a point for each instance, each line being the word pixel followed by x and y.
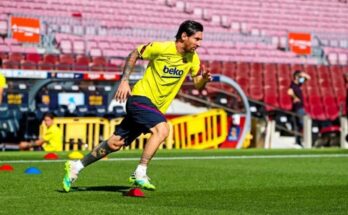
pixel 124 89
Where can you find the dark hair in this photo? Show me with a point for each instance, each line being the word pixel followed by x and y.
pixel 296 73
pixel 190 27
pixel 49 115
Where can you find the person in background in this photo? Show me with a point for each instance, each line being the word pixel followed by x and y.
pixel 2 83
pixel 295 91
pixel 52 139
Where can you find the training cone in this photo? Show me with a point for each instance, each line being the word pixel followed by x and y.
pixel 32 171
pixel 51 156
pixel 135 192
pixel 6 167
pixel 75 155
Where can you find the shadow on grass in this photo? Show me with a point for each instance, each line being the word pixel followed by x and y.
pixel 120 189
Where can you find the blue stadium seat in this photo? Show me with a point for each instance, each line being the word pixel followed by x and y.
pixel 81 110
pixel 100 111
pixel 61 111
pixel 41 109
pixel 31 126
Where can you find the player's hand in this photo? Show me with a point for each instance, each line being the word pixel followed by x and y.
pixel 206 75
pixel 123 91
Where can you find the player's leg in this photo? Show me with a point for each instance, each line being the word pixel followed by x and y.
pixel 114 143
pixel 159 133
pixel 146 118
pixel 72 168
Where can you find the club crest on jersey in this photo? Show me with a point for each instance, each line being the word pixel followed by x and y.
pixel 173 71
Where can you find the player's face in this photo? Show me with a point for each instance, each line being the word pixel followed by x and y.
pixel 193 42
pixel 48 121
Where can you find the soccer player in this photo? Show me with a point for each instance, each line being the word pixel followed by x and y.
pixel 51 141
pixel 169 64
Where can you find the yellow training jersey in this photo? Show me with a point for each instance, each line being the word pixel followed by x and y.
pixel 165 72
pixel 53 139
pixel 2 81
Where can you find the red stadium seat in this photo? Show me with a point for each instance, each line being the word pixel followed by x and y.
pixel 16 57
pixel 99 63
pixel 332 111
pixel 294 67
pixel 314 99
pixel 10 64
pixel 229 69
pixel 256 92
pixel 271 102
pixel 66 62
pixel 313 91
pixel 82 63
pixel 49 62
pixel 216 67
pixel 317 112
pixel 29 65
pixel 33 57
pixel 256 67
pixel 112 68
pixel 329 100
pixel 285 102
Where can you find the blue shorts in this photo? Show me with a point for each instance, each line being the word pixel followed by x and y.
pixel 142 115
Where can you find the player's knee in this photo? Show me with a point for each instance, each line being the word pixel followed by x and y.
pixel 161 130
pixel 115 142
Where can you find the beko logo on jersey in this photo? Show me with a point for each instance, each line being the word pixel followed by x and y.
pixel 173 71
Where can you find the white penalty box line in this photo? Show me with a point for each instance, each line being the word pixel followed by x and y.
pixel 231 157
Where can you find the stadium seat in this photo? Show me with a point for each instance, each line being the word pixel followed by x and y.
pixel 66 62
pixel 229 69
pixel 98 63
pixel 332 111
pixel 285 102
pixel 271 102
pixel 216 67
pixel 26 64
pixel 81 110
pixel 61 111
pixel 31 126
pixel 317 112
pixel 112 68
pixel 31 61
pixel 82 63
pixel 49 62
pixel 79 47
pixel 41 109
pixel 10 64
pixel 65 46
pixel 100 111
pixel 16 57
pixel 33 57
pixel 256 92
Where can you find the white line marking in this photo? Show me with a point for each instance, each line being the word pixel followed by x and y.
pixel 199 158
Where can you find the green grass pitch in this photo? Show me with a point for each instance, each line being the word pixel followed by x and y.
pixel 188 182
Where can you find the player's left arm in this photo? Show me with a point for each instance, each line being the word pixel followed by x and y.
pixel 201 80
